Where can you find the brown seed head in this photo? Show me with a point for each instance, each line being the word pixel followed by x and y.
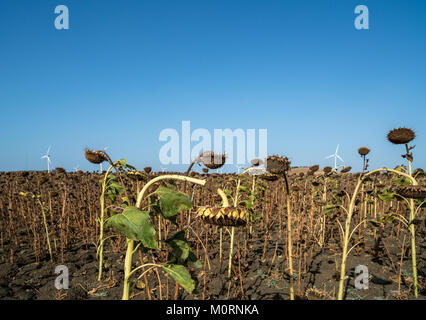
pixel 314 168
pixel 412 192
pixel 147 169
pixel 229 216
pixel 327 169
pixel 138 176
pixel 363 151
pixel 95 157
pixel 401 135
pixel 346 169
pixel 60 170
pixel 212 160
pixel 256 162
pixel 277 165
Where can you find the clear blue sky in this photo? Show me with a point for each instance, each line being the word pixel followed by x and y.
pixel 125 70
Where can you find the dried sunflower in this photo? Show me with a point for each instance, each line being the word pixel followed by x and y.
pixel 401 135
pixel 229 216
pixel 412 191
pixel 95 157
pixel 277 165
pixel 363 151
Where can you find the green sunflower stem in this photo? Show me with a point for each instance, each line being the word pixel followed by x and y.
pixel 130 243
pixel 101 225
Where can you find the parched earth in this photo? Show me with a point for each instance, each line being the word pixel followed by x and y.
pixel 251 278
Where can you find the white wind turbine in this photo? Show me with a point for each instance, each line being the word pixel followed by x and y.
pixel 100 165
pixel 336 156
pixel 47 156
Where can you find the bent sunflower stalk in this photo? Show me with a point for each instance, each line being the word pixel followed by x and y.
pixel 348 233
pixel 130 243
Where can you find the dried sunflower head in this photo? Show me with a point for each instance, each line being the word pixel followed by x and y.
pixel 327 169
pixel 147 169
pixel 95 157
pixel 229 216
pixel 212 160
pixel 401 135
pixel 418 172
pixel 412 192
pixel 346 169
pixel 136 175
pixel 277 165
pixel 256 162
pixel 363 151
pixel 60 170
pixel 314 168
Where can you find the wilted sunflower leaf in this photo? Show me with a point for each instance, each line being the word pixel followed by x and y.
pixel 179 245
pixel 192 261
pixel 172 202
pixel 244 189
pixel 180 275
pixel 386 196
pixel 401 181
pixel 135 225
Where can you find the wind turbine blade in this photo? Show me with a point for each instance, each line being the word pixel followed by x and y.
pixel 340 158
pixel 48 150
pixel 337 149
pixel 330 156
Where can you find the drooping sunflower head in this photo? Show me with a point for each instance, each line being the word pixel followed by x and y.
pixel 412 191
pixel 346 169
pixel 277 165
pixel 229 216
pixel 136 175
pixel 95 157
pixel 212 160
pixel 401 135
pixel 256 162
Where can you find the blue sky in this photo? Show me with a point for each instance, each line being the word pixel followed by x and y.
pixel 126 70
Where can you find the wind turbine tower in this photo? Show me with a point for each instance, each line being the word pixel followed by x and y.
pixel 336 156
pixel 47 156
